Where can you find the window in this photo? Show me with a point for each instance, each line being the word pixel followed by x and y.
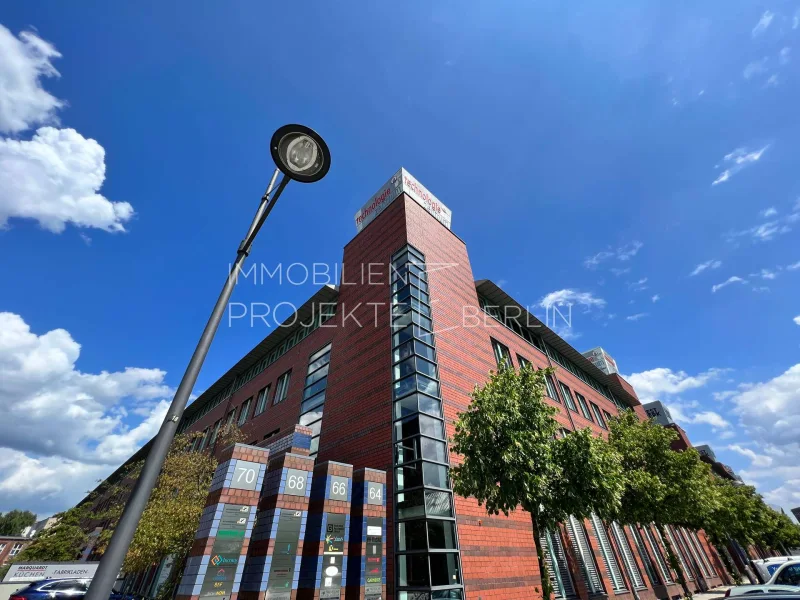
pixel 501 354
pixel 204 439
pixel 15 549
pixel 585 556
pixel 230 418
pixel 522 361
pixel 648 564
pixel 282 388
pixel 551 388
pixel 584 407
pixel 2 547
pixel 608 416
pixel 560 577
pixel 598 415
pixel 245 410
pixel 627 555
pixel 789 576
pixel 610 560
pixel 313 403
pixel 568 400
pixel 214 435
pixel 261 400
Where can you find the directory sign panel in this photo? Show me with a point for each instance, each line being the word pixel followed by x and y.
pixel 226 551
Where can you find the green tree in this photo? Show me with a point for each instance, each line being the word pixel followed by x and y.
pixel 662 486
pixel 61 542
pixel 14 521
pixel 512 457
pixel 172 514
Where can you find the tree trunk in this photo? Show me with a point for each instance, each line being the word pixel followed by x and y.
pixel 673 560
pixel 620 558
pixel 547 588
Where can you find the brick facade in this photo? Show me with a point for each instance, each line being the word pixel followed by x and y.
pixel 498 555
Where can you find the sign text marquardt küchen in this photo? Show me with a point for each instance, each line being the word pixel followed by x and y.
pixel 402 181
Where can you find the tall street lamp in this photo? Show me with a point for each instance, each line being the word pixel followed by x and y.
pixel 300 154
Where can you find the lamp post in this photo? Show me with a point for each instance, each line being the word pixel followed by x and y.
pixel 300 154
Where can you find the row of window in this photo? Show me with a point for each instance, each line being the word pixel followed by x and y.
pixel 512 323
pixel 210 433
pixel 426 544
pixel 321 315
pixel 14 549
pixel 313 402
pixel 560 575
pixel 588 409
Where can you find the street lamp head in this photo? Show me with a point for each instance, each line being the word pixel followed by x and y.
pixel 300 153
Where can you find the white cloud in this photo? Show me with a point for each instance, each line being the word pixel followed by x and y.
pixel 769 212
pixel 765 232
pixel 784 55
pixel 636 317
pixel 763 23
pixel 709 417
pixel 65 421
pixel 758 460
pixel 793 267
pixel 727 282
pixel 661 383
pixel 765 274
pixel 638 286
pixel 738 160
pixel 709 264
pixel 797 320
pixel 796 19
pixel 617 271
pixel 623 253
pixel 656 298
pixel 761 289
pixel 23 102
pixel 753 68
pixel 773 80
pixel 770 411
pixel 55 178
pixel 628 251
pixel 570 297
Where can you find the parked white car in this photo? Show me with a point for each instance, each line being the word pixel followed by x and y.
pixel 785 579
pixel 767 566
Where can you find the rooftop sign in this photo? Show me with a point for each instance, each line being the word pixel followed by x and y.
pixel 657 411
pixel 402 182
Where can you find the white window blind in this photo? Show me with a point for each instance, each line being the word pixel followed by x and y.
pixel 679 553
pixel 709 570
pixel 612 568
pixel 583 551
pixel 687 541
pixel 559 573
pixel 645 556
pixel 660 558
pixel 627 556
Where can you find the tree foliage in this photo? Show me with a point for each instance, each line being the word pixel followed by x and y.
pixel 14 521
pixel 513 458
pixel 61 542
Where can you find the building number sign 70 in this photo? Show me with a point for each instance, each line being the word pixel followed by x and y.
pixel 245 474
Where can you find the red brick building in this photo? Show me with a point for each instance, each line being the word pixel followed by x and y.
pixel 379 368
pixel 10 546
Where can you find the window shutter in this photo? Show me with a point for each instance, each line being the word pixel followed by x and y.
pixel 688 541
pixel 709 570
pixel 660 558
pixel 646 561
pixel 612 568
pixel 559 574
pixel 583 551
pixel 680 553
pixel 627 556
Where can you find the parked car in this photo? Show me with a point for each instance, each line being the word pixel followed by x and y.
pixel 774 596
pixel 62 589
pixel 767 566
pixel 785 579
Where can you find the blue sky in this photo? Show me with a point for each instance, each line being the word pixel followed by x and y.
pixel 578 147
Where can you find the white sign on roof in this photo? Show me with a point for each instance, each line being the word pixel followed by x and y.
pixel 402 182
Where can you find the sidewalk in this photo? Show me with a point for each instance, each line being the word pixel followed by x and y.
pixel 713 594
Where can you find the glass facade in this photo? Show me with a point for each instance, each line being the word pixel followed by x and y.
pixel 314 394
pixel 428 562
